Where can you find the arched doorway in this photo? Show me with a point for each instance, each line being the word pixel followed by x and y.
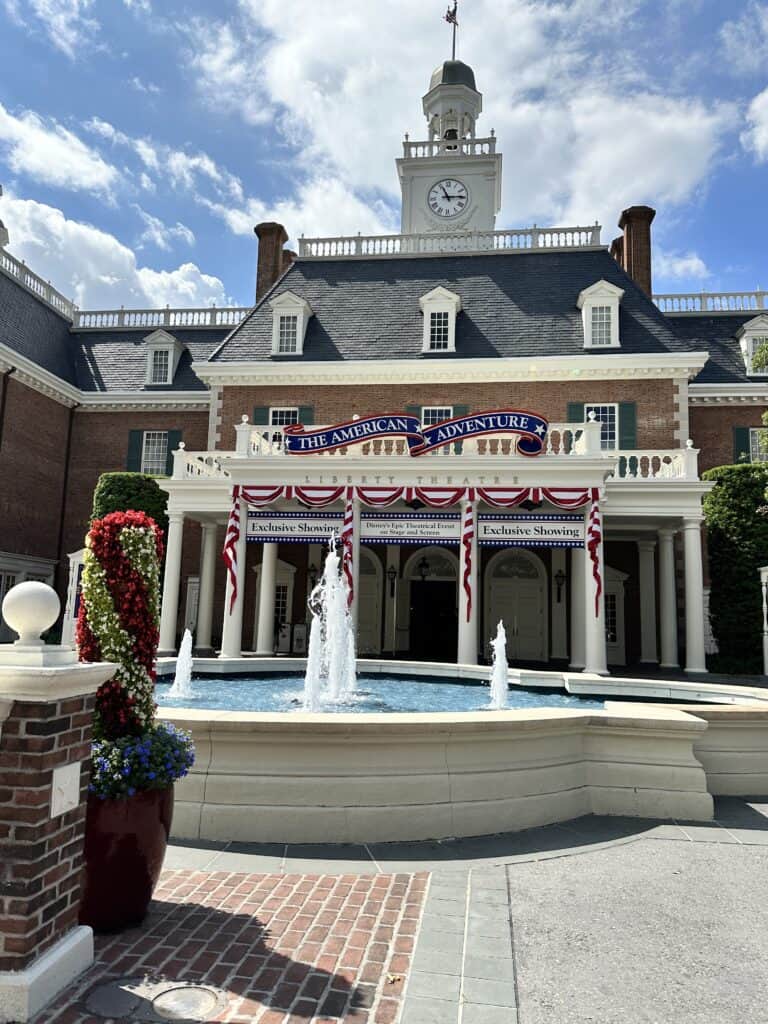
pixel 432 609
pixel 370 582
pixel 516 594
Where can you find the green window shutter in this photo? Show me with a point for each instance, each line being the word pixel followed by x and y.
pixel 741 446
pixel 413 410
pixel 135 448
pixel 460 410
pixel 575 412
pixel 261 416
pixel 627 426
pixel 307 415
pixel 174 436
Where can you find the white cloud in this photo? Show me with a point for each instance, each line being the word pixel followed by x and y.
pixel 94 268
pixel 146 87
pixel 745 40
pixel 52 155
pixel 139 5
pixel 755 137
pixel 677 266
pixel 65 22
pixel 157 232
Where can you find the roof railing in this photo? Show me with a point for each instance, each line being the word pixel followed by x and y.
pixel 44 291
pixel 533 239
pixel 131 319
pixel 712 302
pixel 448 147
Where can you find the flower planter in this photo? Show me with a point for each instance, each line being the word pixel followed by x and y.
pixel 125 843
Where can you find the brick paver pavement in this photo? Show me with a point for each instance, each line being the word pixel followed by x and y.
pixel 285 949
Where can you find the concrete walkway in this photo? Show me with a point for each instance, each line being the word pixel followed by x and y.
pixel 603 920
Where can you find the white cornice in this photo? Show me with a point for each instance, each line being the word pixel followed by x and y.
pixel 435 370
pixel 35 377
pixel 126 401
pixel 728 394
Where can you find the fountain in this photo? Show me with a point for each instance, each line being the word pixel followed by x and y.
pixel 182 681
pixel 331 658
pixel 499 671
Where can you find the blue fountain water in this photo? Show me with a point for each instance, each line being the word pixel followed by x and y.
pixel 375 694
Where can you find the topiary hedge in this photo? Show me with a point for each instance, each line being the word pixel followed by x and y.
pixel 119 492
pixel 737 539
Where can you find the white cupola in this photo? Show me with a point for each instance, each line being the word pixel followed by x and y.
pixel 452 105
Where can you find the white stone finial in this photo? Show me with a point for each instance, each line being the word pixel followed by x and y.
pixel 591 416
pixel 689 443
pixel 30 608
pixel 244 418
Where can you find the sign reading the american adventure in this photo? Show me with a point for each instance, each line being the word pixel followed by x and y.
pixel 529 429
pixel 420 528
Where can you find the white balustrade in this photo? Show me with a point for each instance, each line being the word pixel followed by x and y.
pixel 534 239
pixel 672 464
pixel 32 282
pixel 712 302
pixel 448 147
pixel 130 319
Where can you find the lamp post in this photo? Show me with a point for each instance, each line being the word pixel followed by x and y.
pixel 392 577
pixel 560 579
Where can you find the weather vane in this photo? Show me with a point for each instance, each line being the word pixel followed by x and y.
pixel 451 16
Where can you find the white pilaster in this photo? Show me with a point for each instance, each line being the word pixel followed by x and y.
pixel 467 645
pixel 354 610
pixel 695 660
pixel 646 550
pixel 595 653
pixel 171 583
pixel 265 641
pixel 578 556
pixel 559 623
pixel 390 602
pixel 232 629
pixel 668 600
pixel 207 578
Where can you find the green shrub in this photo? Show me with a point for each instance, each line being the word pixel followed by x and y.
pixel 737 539
pixel 123 492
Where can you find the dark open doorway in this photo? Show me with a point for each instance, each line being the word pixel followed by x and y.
pixel 434 622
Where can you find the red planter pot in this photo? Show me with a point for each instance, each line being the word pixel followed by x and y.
pixel 125 843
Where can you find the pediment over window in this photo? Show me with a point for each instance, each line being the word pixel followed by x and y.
pixel 163 354
pixel 440 308
pixel 599 305
pixel 290 316
pixel 752 336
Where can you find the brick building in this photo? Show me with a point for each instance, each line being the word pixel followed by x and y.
pixel 446 321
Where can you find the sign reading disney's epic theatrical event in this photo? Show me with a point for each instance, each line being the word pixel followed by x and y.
pixel 529 428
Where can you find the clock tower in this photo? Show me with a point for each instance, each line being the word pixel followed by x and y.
pixel 451 181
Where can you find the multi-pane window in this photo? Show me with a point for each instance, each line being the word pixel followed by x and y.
pixel 608 417
pixel 432 414
pixel 758 444
pixel 611 624
pixel 161 363
pixel 756 342
pixel 7 580
pixel 439 332
pixel 601 325
pixel 281 604
pixel 154 452
pixel 287 338
pixel 283 417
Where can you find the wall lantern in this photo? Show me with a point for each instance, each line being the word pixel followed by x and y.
pixel 312 570
pixel 391 576
pixel 423 568
pixel 560 579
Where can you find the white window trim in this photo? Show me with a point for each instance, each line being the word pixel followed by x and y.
pixel 747 333
pixel 290 304
pixel 430 408
pixel 589 406
pixel 439 300
pixel 282 408
pixel 757 431
pixel 162 341
pixel 602 293
pixel 155 472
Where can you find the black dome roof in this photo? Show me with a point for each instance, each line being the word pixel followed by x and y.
pixel 453 72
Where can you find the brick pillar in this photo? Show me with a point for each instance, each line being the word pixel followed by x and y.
pixel 636 225
pixel 46 711
pixel 270 264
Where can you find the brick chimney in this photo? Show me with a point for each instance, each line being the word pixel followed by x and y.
pixel 271 259
pixel 636 249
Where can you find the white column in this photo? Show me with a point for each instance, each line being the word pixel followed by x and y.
pixel 467 646
pixel 577 607
pixel 171 583
pixel 595 654
pixel 646 550
pixel 207 578
pixel 265 641
pixel 559 624
pixel 232 629
pixel 667 599
pixel 390 601
pixel 354 610
pixel 695 660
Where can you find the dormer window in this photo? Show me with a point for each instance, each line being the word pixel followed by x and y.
pixel 752 336
pixel 599 305
pixel 439 308
pixel 163 354
pixel 290 316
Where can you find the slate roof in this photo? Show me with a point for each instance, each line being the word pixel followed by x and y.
pixel 116 360
pixel 34 330
pixel 716 335
pixel 521 305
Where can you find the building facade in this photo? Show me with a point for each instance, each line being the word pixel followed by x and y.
pixel 411 372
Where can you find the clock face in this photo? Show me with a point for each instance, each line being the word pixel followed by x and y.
pixel 448 198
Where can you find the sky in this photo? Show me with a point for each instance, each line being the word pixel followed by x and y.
pixel 141 140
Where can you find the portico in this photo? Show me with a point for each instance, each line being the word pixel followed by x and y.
pixel 445 545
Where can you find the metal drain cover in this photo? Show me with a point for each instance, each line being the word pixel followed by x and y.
pixel 152 1002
